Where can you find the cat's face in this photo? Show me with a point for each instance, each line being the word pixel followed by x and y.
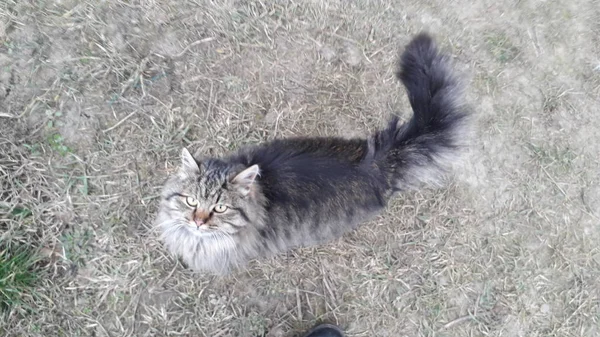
pixel 209 198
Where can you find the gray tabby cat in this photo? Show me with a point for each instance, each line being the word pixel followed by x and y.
pixel 217 214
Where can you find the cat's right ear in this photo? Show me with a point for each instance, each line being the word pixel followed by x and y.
pixel 245 179
pixel 188 163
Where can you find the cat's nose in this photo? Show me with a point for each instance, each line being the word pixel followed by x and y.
pixel 200 218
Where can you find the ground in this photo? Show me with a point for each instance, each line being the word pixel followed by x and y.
pixel 97 98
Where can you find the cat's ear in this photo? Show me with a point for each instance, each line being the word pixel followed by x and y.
pixel 243 181
pixel 188 163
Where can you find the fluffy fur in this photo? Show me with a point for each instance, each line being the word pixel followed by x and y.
pixel 305 191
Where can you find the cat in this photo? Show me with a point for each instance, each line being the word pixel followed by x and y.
pixel 217 214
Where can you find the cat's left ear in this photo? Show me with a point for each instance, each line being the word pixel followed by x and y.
pixel 243 181
pixel 188 163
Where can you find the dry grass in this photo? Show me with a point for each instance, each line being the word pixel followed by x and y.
pixel 97 98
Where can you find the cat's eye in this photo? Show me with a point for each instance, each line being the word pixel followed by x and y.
pixel 220 208
pixel 191 201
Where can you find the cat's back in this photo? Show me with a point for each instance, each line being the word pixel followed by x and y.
pixel 307 159
pixel 317 189
pixel 350 151
pixel 305 170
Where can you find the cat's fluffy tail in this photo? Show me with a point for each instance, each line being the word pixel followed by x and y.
pixel 422 150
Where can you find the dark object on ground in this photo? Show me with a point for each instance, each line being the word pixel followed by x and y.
pixel 325 330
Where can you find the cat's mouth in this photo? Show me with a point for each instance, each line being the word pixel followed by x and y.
pixel 194 226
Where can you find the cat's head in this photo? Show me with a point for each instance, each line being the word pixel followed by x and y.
pixel 211 197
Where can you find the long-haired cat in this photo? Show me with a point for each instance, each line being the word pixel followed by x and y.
pixel 218 213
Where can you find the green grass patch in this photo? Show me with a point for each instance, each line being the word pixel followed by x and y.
pixel 18 274
pixel 77 245
pixel 553 156
pixel 501 47
pixel 21 212
pixel 56 142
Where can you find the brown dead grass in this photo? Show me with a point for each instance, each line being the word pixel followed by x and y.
pixel 97 98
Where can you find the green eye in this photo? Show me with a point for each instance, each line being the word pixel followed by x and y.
pixel 220 208
pixel 191 201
